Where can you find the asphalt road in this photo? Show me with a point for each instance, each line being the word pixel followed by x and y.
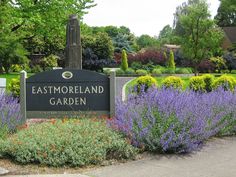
pixel 216 159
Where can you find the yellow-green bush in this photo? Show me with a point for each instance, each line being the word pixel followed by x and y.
pixel 14 87
pixel 141 72
pixel 208 80
pixel 157 71
pixel 174 82
pixel 197 83
pixel 145 82
pixel 227 82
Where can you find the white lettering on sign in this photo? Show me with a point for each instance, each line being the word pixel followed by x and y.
pixel 67 101
pixel 94 89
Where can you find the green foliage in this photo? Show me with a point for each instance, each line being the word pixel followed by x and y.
pixel 197 83
pixel 168 71
pixel 100 43
pixel 141 72
pixel 16 68
pixel 145 82
pixel 171 61
pixel 233 71
pixel 36 23
pixel 156 71
pixel 120 72
pixel 227 82
pixel 4 131
pixel 14 87
pixel 208 80
pixel 136 65
pixel 145 41
pixel 11 52
pixel 49 61
pixel 166 35
pixel 130 71
pixel 173 82
pixel 219 63
pixel 226 13
pixel 124 60
pixel 36 69
pixel 67 143
pixel 198 35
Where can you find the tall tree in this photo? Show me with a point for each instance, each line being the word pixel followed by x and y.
pixel 145 41
pixel 166 35
pixel 199 36
pixel 226 14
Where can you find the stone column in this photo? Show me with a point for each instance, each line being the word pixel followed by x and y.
pixel 112 93
pixel 73 44
pixel 23 76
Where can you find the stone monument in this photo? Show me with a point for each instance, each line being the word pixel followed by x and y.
pixel 73 44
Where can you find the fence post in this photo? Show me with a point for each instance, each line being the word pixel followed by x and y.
pixel 23 76
pixel 112 93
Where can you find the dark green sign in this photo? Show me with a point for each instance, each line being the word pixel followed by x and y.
pixel 68 90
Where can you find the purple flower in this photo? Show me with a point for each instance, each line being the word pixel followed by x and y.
pixel 170 120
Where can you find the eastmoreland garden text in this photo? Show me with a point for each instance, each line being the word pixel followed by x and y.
pixel 78 89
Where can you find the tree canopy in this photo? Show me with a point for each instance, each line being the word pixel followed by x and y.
pixel 226 14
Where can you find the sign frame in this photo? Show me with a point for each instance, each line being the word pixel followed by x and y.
pixel 66 78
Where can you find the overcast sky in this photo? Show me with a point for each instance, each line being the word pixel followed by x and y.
pixel 141 16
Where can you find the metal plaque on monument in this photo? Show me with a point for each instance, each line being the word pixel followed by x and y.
pixel 73 44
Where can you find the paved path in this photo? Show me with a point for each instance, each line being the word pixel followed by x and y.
pixel 216 159
pixel 120 82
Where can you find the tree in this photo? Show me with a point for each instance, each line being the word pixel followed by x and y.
pixel 11 49
pixel 100 44
pixel 124 60
pixel 166 35
pixel 226 14
pixel 42 23
pixel 199 36
pixel 145 41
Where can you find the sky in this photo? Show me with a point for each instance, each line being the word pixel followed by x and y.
pixel 140 16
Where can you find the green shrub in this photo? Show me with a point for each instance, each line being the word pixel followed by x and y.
pixel 171 60
pixel 136 65
pixel 156 71
pixel 67 143
pixel 106 71
pixel 197 83
pixel 145 82
pixel 227 82
pixel 225 71
pixel 169 71
pixel 141 72
pixel 124 60
pixel 219 63
pixel 120 72
pixel 174 82
pixel 36 69
pixel 14 87
pixel 182 71
pixel 233 71
pixel 16 68
pixel 49 62
pixel 208 80
pixel 130 71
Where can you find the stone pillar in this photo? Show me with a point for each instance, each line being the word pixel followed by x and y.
pixel 23 76
pixel 73 44
pixel 112 93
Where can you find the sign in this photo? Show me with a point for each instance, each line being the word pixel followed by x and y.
pixel 67 92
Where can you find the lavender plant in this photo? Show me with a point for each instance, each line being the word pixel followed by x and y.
pixel 169 120
pixel 10 115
